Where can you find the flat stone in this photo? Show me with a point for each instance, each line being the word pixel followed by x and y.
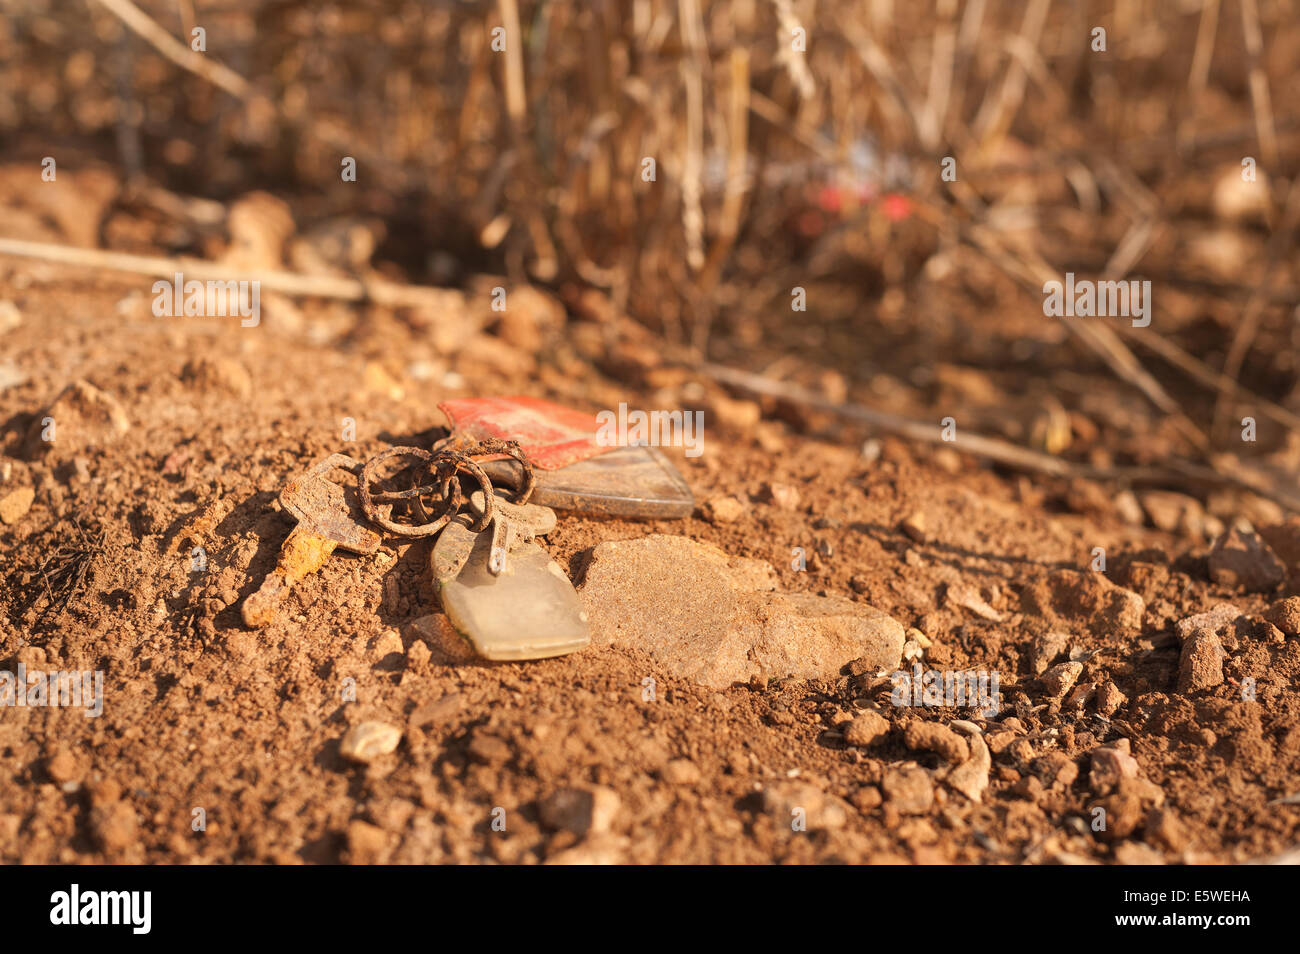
pixel 909 789
pixel 723 510
pixel 715 620
pixel 1108 765
pixel 82 416
pixel 865 728
pixel 580 811
pixel 1284 614
pixel 15 504
pixel 1210 621
pixel 1201 664
pixel 367 741
pixel 1240 558
pixel 802 806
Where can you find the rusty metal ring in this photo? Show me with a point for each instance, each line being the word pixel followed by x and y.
pixel 494 445
pixel 370 503
pixel 463 462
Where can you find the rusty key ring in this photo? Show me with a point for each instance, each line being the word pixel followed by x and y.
pixel 459 444
pixel 370 501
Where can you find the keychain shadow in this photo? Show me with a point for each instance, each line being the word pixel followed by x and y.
pixel 412 572
pixel 271 530
pixel 424 438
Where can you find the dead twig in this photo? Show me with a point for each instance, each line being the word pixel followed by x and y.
pixel 143 26
pixel 1177 472
pixel 290 283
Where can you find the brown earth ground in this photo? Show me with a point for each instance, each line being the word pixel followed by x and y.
pixel 202 713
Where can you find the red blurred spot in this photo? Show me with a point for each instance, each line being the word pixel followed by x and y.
pixel 830 198
pixel 896 207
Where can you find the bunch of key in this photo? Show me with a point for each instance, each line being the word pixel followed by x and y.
pixel 500 591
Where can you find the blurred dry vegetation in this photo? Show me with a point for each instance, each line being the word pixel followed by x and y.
pixel 774 169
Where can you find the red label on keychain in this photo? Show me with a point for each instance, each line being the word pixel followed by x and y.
pixel 553 436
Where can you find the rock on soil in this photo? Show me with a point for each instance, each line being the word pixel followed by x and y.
pixel 1201 664
pixel 1210 621
pixel 865 728
pixel 15 504
pixel 1285 615
pixel 1058 680
pixel 580 811
pixel 1240 558
pixel 1109 764
pixel 1087 598
pixel 971 777
pixel 367 741
pixel 83 416
pixel 933 737
pixel 713 619
pixel 802 806
pixel 908 789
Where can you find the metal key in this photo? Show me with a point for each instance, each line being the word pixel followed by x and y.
pixel 512 526
pixel 527 610
pixel 328 518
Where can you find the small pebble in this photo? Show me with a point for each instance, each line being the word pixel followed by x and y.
pixel 367 741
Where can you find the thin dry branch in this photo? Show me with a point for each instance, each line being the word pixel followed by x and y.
pixel 289 283
pixel 1178 472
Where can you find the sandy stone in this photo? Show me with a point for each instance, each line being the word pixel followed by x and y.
pixel 1167 830
pixel 387 644
pixel 62 767
pixel 865 728
pixel 1208 622
pixel 1201 664
pixel 1174 512
pixel 15 504
pixel 1123 815
pixel 908 789
pixel 1108 765
pixel 937 738
pixel 113 825
pixel 1240 558
pixel 971 777
pixel 1058 680
pixel 802 806
pixel 736 416
pixel 781 496
pixel 1085 597
pixel 84 416
pixel 1284 614
pixel 916 526
pixel 367 741
pixel 584 810
pixel 1046 650
pixel 1109 699
pixel 723 510
pixel 681 772
pixel 698 613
